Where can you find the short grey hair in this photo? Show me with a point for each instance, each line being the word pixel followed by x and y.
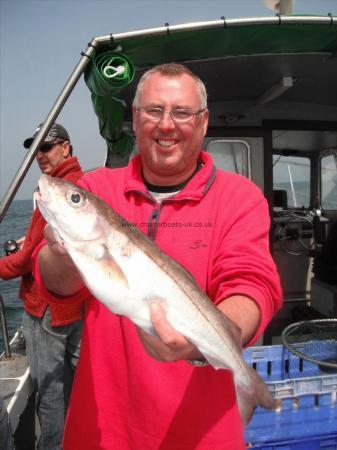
pixel 171 70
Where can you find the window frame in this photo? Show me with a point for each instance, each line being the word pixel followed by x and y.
pixel 234 141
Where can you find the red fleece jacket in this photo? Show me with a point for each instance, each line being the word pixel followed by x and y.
pixel 20 263
pixel 218 228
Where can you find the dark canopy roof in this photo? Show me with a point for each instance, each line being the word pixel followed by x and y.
pixel 240 61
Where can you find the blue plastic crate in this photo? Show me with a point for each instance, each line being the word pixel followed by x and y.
pixel 308 416
pixel 315 443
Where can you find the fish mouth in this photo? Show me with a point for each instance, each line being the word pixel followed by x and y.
pixel 42 192
pixel 37 196
pixel 42 197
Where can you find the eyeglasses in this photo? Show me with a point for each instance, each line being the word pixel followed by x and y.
pixel 178 115
pixel 45 148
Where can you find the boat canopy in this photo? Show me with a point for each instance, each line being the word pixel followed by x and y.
pixel 239 61
pixel 228 41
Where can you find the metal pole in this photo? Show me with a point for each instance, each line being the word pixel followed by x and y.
pixel 286 7
pixel 50 119
pixel 4 329
pixel 292 186
pixel 285 20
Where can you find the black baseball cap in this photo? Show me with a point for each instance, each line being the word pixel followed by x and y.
pixel 56 132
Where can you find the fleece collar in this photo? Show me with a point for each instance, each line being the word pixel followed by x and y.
pixel 67 166
pixel 195 189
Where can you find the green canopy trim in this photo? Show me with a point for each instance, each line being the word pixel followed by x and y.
pixel 107 74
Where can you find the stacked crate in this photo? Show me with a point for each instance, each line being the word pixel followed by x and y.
pixel 307 419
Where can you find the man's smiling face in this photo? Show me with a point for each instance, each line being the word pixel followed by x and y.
pixel 169 149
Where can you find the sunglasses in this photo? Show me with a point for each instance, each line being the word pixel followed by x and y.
pixel 47 147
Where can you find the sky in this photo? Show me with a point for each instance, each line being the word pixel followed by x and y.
pixel 40 45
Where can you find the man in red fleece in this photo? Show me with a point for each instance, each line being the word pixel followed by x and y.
pixel 134 391
pixel 52 332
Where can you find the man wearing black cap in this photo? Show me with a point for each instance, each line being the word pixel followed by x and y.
pixel 52 329
pixel 49 155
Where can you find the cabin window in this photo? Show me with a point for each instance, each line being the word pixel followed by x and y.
pixel 329 182
pixel 292 174
pixel 231 155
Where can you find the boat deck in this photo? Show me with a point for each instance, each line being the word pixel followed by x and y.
pixel 15 383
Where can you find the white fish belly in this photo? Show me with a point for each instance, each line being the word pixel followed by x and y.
pixel 148 282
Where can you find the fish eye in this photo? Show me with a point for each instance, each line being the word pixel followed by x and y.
pixel 76 198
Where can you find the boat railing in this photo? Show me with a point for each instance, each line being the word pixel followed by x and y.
pixel 4 329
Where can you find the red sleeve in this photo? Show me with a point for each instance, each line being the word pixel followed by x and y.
pixel 243 264
pixel 19 263
pixel 49 296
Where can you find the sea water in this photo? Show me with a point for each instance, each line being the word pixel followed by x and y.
pixel 13 226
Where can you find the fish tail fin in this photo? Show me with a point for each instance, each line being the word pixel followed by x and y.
pixel 258 394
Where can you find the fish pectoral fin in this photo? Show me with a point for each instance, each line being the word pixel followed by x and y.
pixel 112 269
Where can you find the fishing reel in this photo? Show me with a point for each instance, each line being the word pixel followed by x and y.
pixel 10 247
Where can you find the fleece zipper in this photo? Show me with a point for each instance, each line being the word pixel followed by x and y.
pixel 153 223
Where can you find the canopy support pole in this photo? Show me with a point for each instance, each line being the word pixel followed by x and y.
pixel 47 124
